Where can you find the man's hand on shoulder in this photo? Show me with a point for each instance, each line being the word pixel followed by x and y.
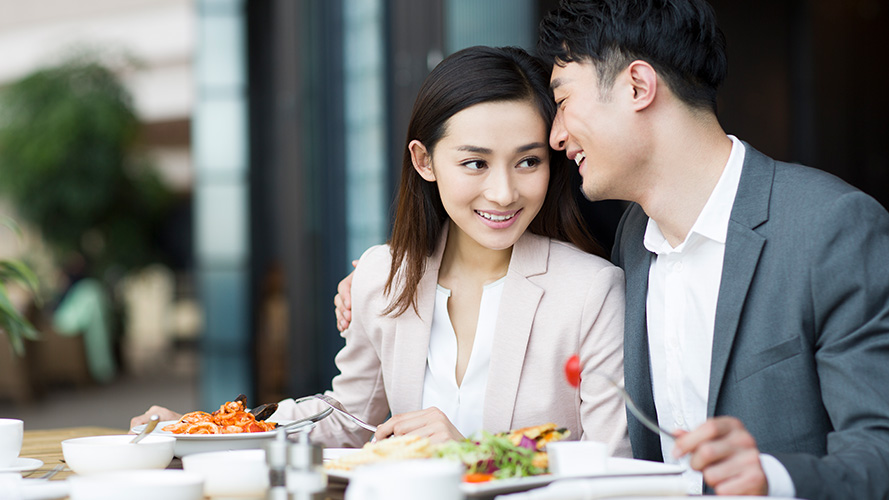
pixel 342 301
pixel 727 455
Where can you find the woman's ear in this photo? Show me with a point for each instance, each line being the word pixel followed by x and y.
pixel 422 160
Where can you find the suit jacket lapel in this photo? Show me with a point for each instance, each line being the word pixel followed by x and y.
pixel 412 332
pixel 636 260
pixel 518 306
pixel 743 247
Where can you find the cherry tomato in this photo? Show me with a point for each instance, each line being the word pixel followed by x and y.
pixel 477 477
pixel 572 370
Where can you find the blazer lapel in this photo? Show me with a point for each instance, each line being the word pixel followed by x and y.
pixel 743 247
pixel 636 261
pixel 412 332
pixel 513 329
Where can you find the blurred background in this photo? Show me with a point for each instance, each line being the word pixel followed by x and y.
pixel 191 178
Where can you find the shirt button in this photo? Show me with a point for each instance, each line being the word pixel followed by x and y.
pixel 677 266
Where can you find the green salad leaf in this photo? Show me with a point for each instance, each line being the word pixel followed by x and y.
pixel 492 454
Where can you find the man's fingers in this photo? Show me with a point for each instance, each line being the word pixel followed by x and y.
pixel 710 430
pixel 730 466
pixel 744 477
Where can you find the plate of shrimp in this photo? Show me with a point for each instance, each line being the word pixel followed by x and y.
pixel 231 427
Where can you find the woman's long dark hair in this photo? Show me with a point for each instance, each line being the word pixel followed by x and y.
pixel 472 76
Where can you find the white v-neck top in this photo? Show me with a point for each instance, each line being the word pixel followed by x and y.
pixel 463 404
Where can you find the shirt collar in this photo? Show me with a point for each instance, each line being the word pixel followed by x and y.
pixel 712 222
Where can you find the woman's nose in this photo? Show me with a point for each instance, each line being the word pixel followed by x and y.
pixel 558 136
pixel 501 187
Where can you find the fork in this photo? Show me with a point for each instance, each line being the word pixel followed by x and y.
pixel 643 418
pixel 339 408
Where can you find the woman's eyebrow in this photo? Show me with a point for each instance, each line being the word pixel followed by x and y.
pixel 529 147
pixel 487 151
pixel 475 149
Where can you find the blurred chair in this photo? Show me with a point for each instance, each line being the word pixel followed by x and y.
pixel 85 311
pixel 16 383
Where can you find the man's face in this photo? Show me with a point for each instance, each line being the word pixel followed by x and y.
pixel 595 129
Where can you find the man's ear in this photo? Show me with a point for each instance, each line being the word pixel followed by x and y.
pixel 643 78
pixel 422 160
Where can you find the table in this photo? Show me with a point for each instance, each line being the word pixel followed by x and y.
pixel 46 445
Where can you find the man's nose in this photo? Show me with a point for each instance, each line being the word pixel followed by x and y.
pixel 558 136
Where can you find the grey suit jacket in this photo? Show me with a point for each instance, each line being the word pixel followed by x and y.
pixel 801 339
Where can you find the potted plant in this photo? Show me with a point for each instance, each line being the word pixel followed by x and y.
pixel 12 322
pixel 70 164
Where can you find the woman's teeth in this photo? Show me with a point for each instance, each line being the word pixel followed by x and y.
pixel 578 158
pixel 495 218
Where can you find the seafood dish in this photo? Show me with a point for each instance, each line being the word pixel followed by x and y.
pixel 232 417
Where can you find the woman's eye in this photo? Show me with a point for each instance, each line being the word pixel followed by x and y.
pixel 474 165
pixel 529 162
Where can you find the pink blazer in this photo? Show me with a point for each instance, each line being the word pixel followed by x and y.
pixel 556 301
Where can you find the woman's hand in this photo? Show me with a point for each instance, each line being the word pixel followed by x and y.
pixel 162 412
pixel 431 423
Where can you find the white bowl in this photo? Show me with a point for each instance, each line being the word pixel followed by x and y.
pixel 138 485
pixel 90 455
pixel 239 473
pixel 577 458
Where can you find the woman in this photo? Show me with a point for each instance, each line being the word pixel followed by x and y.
pixel 488 284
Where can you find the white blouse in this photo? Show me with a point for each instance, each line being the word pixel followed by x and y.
pixel 463 404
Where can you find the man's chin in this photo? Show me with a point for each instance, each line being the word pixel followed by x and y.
pixel 590 194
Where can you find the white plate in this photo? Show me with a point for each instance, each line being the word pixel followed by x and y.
pixel 186 444
pixel 23 465
pixel 616 467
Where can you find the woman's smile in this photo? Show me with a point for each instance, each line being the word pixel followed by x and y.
pixel 498 219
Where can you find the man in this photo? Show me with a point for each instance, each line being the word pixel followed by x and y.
pixel 757 291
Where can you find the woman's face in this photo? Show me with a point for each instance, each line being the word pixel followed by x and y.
pixel 492 170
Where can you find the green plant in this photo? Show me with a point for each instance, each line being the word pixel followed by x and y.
pixel 12 322
pixel 69 164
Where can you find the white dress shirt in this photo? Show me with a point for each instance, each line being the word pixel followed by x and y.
pixel 683 286
pixel 463 404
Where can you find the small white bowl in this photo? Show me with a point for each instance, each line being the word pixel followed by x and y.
pixel 577 458
pixel 90 455
pixel 237 473
pixel 138 485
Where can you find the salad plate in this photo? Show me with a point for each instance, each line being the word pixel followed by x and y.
pixel 186 444
pixel 615 467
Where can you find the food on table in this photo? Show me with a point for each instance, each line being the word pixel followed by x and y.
pixel 539 434
pixel 393 448
pixel 230 418
pixel 572 370
pixel 516 453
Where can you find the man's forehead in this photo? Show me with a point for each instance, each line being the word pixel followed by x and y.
pixel 564 73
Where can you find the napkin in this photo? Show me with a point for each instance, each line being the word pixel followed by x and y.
pixel 604 487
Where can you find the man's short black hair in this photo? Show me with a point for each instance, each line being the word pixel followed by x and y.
pixel 679 38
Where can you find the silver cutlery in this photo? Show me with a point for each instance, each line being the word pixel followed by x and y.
pixel 152 423
pixel 645 419
pixel 339 408
pixel 296 424
pixel 48 475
